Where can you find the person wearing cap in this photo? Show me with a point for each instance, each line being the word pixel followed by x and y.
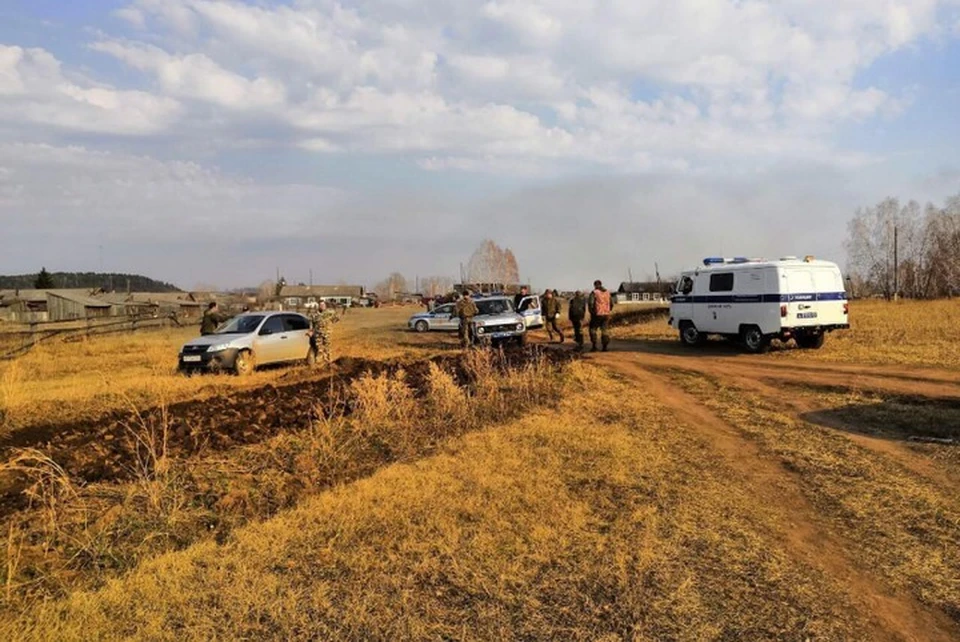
pixel 576 313
pixel 551 313
pixel 465 310
pixel 600 303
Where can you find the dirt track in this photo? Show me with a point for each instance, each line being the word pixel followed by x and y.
pixel 793 386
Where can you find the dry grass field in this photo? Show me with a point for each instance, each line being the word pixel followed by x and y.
pixel 648 493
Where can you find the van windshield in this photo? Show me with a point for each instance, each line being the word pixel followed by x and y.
pixel 241 325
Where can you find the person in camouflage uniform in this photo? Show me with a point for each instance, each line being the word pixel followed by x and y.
pixel 321 322
pixel 550 305
pixel 465 310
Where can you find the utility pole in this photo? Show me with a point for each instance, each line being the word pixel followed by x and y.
pixel 311 278
pixel 896 264
pixel 630 275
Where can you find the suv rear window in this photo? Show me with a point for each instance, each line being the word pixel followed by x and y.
pixel 721 282
pixel 296 322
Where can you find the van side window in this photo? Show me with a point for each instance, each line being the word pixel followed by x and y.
pixel 721 282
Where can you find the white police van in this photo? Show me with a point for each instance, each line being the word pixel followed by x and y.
pixel 756 301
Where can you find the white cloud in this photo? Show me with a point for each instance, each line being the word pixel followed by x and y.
pixel 78 191
pixel 37 92
pixel 198 77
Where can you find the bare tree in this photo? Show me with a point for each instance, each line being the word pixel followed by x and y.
pixel 389 288
pixel 432 286
pixel 266 291
pixel 492 264
pixel 927 244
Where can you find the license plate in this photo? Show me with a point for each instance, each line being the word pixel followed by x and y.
pixel 191 359
pixel 807 315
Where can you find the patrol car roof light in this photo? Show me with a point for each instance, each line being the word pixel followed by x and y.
pixel 714 260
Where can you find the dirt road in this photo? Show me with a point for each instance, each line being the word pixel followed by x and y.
pixel 776 421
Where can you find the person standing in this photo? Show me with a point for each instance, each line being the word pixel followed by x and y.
pixel 576 312
pixel 551 313
pixel 321 325
pixel 465 310
pixel 518 299
pixel 601 305
pixel 211 319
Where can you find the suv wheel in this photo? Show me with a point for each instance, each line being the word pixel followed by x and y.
pixel 754 340
pixel 244 363
pixel 689 335
pixel 421 326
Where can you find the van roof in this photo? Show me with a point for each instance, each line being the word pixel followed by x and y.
pixel 753 264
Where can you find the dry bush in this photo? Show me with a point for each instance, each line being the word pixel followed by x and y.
pixel 447 408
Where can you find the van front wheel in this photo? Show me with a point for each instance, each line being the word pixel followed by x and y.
pixel 689 335
pixel 754 340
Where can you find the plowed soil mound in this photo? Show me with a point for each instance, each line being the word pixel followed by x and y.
pixel 111 448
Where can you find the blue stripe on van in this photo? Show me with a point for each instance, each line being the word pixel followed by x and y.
pixel 761 298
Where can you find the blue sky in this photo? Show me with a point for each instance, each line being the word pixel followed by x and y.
pixel 210 141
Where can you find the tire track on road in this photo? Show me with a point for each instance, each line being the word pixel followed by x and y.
pixel 894 615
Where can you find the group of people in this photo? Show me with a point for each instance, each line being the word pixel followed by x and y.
pixel 599 304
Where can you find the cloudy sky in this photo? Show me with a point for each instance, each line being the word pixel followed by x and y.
pixel 212 141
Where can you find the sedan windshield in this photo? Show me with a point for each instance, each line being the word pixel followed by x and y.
pixel 241 325
pixel 495 306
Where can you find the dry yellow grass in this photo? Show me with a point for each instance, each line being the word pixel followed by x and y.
pixel 601 520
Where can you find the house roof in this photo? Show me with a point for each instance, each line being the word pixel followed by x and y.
pixel 81 297
pixel 40 296
pixel 322 290
pixel 630 287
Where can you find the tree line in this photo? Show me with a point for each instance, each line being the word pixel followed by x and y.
pixel 907 250
pixel 45 280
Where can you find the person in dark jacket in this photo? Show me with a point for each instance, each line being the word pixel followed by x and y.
pixel 601 306
pixel 519 298
pixel 551 314
pixel 211 319
pixel 576 313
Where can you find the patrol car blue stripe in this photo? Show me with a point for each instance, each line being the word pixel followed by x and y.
pixel 762 298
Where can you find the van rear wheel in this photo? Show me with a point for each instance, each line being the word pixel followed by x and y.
pixel 811 341
pixel 754 340
pixel 689 335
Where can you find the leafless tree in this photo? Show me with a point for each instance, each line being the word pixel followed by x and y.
pixel 432 286
pixel 492 264
pixel 927 242
pixel 266 291
pixel 389 288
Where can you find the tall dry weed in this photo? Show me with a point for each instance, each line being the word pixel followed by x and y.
pixel 12 394
pixel 447 408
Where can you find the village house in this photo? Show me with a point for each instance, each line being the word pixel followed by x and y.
pixel 638 292
pixel 36 306
pixel 295 297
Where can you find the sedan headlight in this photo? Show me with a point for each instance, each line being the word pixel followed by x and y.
pixel 220 347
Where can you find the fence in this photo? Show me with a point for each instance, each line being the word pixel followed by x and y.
pixel 17 339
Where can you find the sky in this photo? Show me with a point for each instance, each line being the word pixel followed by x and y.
pixel 217 141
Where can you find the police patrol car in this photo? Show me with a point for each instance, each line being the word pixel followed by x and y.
pixel 755 301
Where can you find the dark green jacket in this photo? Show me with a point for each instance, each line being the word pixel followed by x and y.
pixel 578 308
pixel 551 307
pixel 465 309
pixel 210 322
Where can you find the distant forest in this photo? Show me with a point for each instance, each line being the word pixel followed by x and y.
pixel 91 280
